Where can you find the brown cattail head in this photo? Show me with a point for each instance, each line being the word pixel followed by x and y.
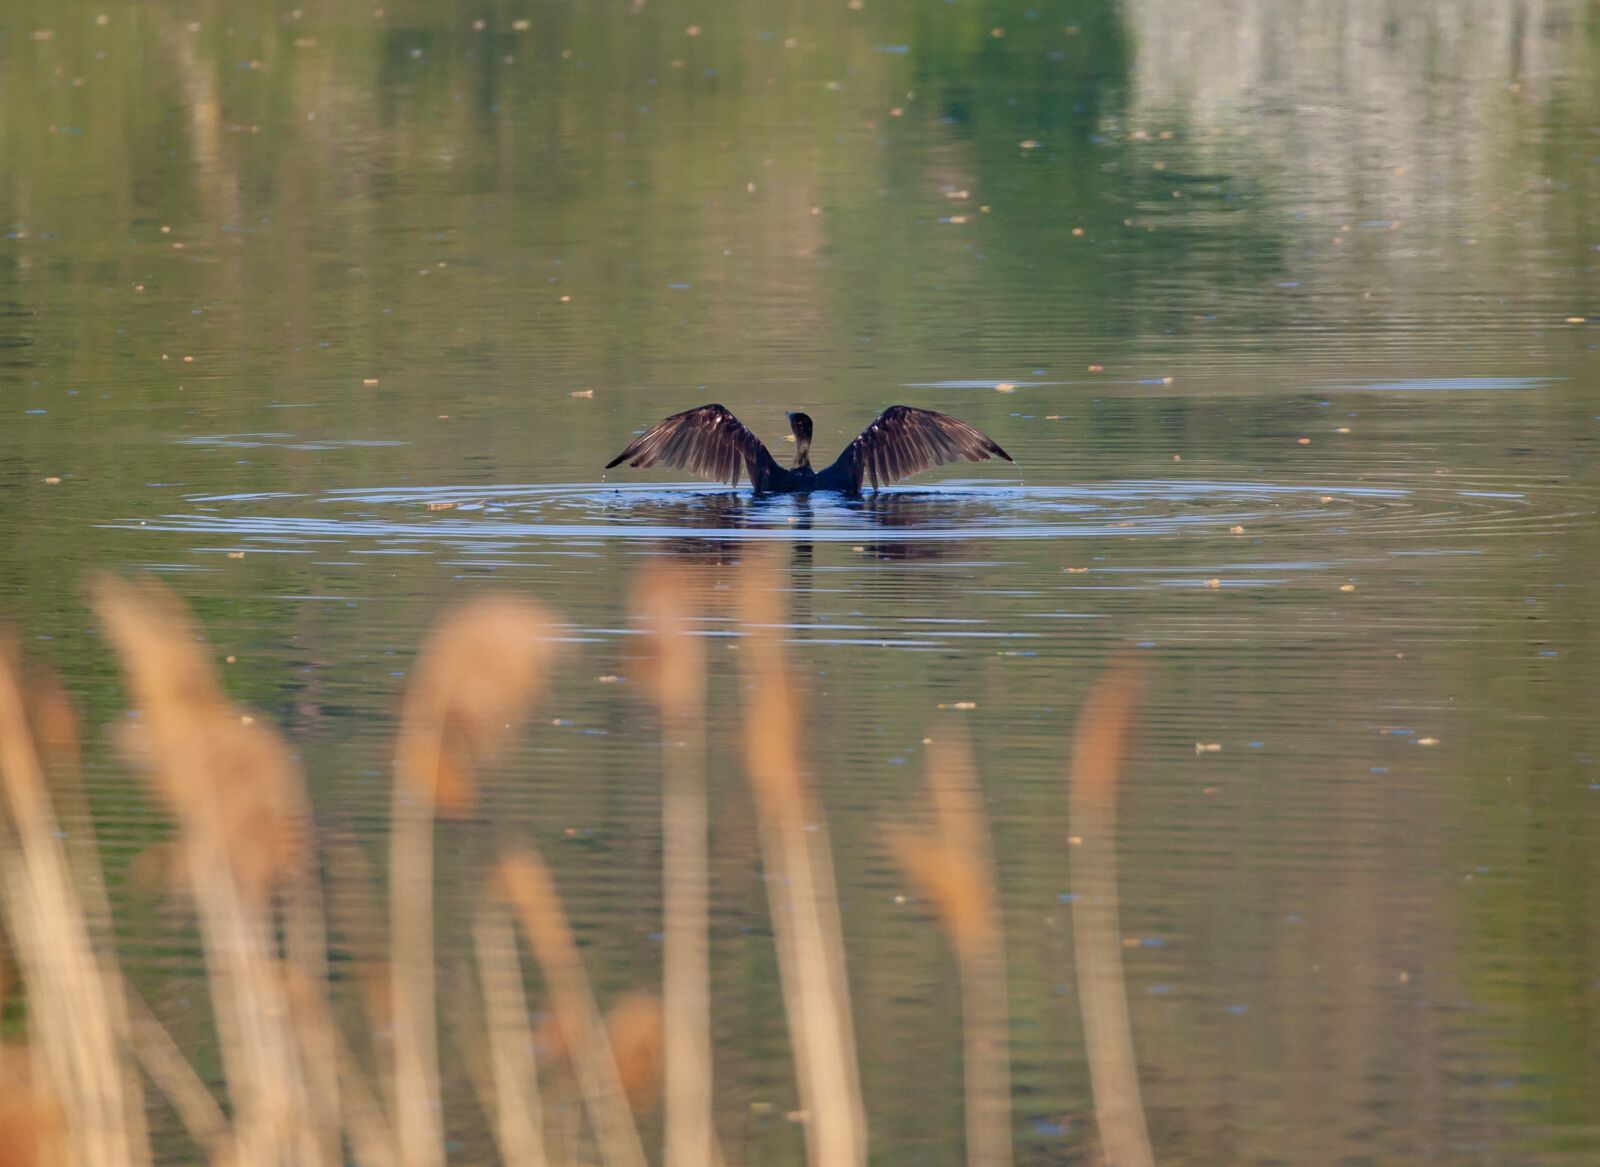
pixel 950 864
pixel 636 1028
pixel 482 668
pixel 523 881
pixel 953 783
pixel 1100 742
pixel 674 660
pixel 231 782
pixel 55 721
pixel 950 881
pixel 32 1133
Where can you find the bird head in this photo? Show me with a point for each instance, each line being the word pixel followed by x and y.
pixel 800 424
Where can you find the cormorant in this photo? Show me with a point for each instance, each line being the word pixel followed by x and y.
pixel 711 443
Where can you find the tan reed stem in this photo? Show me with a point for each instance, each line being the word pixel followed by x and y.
pixel 476 677
pixel 526 883
pixel 158 1055
pixel 518 1112
pixel 72 1026
pixel 954 870
pixel 372 1143
pixel 412 978
pixel 799 876
pixel 306 944
pixel 663 600
pixel 1097 753
pixel 237 796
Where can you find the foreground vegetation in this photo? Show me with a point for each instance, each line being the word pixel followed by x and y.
pixel 310 1078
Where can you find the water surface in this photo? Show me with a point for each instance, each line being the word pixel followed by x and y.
pixel 1292 321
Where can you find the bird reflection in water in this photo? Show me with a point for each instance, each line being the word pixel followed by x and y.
pixel 712 522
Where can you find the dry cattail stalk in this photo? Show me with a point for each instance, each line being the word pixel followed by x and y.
pixel 73 1026
pixel 517 1111
pixel 800 888
pixel 361 1115
pixel 164 1063
pixel 1097 753
pixel 525 882
pixel 361 929
pixel 481 668
pixel 954 868
pixel 305 933
pixel 238 798
pixel 676 668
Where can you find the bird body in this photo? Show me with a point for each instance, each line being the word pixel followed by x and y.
pixel 710 442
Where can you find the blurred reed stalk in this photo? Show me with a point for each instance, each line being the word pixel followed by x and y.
pixel 482 667
pixel 953 867
pixel 297 1094
pixel 80 1106
pixel 1097 754
pixel 239 801
pixel 676 670
pixel 518 1111
pixel 525 882
pixel 803 902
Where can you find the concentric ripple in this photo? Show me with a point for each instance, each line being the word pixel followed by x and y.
pixel 467 515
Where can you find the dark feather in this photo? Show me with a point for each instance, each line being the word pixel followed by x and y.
pixel 708 442
pixel 906 441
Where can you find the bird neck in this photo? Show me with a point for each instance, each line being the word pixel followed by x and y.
pixel 800 426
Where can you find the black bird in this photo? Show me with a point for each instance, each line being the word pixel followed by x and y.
pixel 712 443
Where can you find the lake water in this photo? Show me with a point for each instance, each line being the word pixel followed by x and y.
pixel 1290 319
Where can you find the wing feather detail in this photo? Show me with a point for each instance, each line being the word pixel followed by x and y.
pixel 708 441
pixel 905 440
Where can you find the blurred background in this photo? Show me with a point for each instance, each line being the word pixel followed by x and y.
pixel 1290 315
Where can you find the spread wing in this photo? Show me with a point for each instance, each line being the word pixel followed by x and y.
pixel 905 441
pixel 709 442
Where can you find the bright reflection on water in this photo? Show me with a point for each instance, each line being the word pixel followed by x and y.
pixel 1289 318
